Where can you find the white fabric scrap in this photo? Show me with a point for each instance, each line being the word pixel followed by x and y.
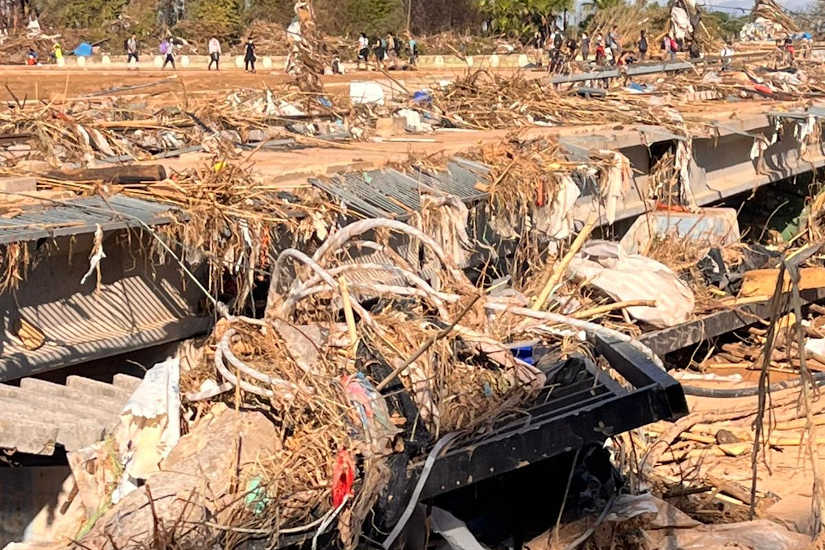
pixel 760 145
pixel 454 531
pixel 560 223
pixel 96 255
pixel 413 122
pixel 149 425
pixel 615 180
pixel 293 31
pixel 623 277
pixel 803 130
pixel 361 93
pixel 682 161
pixel 681 23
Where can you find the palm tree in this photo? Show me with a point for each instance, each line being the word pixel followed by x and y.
pixel 600 5
pixel 513 16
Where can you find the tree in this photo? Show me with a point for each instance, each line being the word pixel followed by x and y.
pixel 599 5
pixel 729 26
pixel 519 17
pixel 82 13
pixel 221 18
pixel 375 16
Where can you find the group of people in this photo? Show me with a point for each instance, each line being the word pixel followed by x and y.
pixel 386 50
pixel 56 55
pixel 561 50
pixel 167 50
pixel 606 50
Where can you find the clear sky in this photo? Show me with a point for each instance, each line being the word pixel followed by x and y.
pixel 793 5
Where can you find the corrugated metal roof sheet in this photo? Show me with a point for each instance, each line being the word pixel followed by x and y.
pixel 78 216
pixel 132 313
pixel 393 194
pixel 41 414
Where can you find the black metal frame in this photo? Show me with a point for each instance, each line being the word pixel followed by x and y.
pixel 565 417
pixel 569 417
pixel 716 324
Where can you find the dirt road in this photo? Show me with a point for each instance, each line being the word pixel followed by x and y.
pixel 48 83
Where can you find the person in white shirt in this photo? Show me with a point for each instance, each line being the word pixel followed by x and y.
pixel 132 49
pixel 214 54
pixel 727 55
pixel 363 51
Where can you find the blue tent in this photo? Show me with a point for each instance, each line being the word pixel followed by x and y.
pixel 83 50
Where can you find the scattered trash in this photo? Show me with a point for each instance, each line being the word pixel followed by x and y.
pixel 413 121
pixel 453 530
pixel 363 93
pixel 710 227
pixel 625 277
pixel 422 98
pixel 84 49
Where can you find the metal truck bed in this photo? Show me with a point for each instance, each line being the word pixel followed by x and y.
pixel 581 404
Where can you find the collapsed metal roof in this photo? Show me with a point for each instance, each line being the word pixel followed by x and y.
pixel 83 215
pixel 393 194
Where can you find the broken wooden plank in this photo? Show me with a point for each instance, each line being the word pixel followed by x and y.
pixel 122 175
pixel 762 282
pixel 18 184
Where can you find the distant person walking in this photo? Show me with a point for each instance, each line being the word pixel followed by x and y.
pixel 249 56
pixel 167 48
pixel 214 54
pixel 727 55
pixel 380 51
pixel 601 54
pixel 132 49
pixel 806 45
pixel 363 52
pixel 585 45
pixel 670 47
pixel 790 53
pixel 556 56
pixel 31 56
pixel 613 43
pixel 643 45
pixel 392 54
pixel 58 54
pixel 398 46
pixel 694 51
pixel 413 47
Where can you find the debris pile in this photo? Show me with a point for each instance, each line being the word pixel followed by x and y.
pixel 770 21
pixel 116 130
pixel 630 20
pixel 352 349
pixel 13 49
pixel 318 374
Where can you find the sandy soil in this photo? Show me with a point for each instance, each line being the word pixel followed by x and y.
pixel 48 83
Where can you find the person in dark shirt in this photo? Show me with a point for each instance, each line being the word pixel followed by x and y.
pixel 572 46
pixel 556 55
pixel 643 46
pixel 380 54
pixel 249 56
pixel 694 51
